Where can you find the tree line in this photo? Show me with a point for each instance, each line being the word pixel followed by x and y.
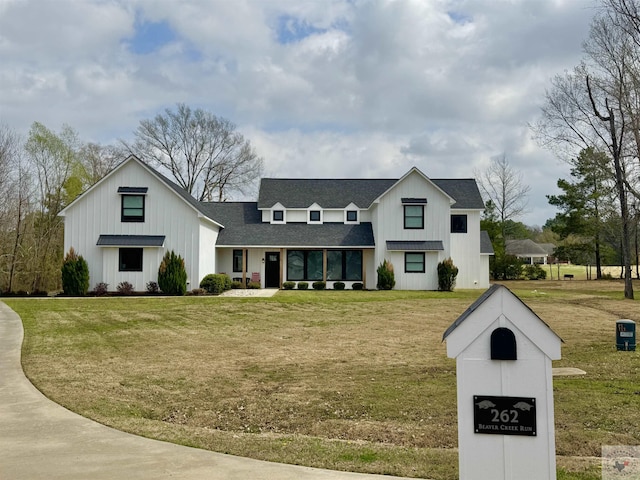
pixel 42 173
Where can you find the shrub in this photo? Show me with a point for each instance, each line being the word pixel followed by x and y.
pixel 101 289
pixel 386 277
pixel 124 288
pixel 236 284
pixel 75 274
pixel 534 272
pixel 254 285
pixel 216 283
pixel 357 286
pixel 338 285
pixel 289 285
pixel 303 285
pixel 152 287
pixel 505 267
pixel 172 276
pixel 319 285
pixel 447 273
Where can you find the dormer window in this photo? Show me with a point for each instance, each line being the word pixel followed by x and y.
pixel 132 203
pixel 352 215
pixel 314 216
pixel 278 215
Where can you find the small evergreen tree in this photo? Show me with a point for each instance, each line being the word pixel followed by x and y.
pixel 75 274
pixel 386 277
pixel 172 276
pixel 447 273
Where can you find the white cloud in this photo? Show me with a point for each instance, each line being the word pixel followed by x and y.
pixel 341 88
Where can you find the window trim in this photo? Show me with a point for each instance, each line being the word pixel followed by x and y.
pixel 130 251
pixel 406 262
pixel 461 230
pixel 421 216
pixel 132 218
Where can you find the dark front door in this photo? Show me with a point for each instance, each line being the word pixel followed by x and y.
pixel 272 270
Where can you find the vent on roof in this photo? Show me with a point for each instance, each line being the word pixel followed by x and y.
pixel 414 200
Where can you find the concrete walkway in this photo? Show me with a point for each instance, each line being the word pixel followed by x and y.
pixel 42 440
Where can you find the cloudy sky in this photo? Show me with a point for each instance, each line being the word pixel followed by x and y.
pixel 322 88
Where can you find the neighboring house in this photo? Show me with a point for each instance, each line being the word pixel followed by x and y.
pixel 299 230
pixel 530 251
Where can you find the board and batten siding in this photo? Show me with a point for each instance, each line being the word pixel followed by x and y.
pixel 98 212
pixel 465 252
pixel 387 217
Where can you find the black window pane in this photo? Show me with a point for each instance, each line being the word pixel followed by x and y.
pixel 458 224
pixel 278 215
pixel 314 265
pixel 314 216
pixel 295 265
pixel 353 265
pixel 130 259
pixel 352 216
pixel 237 261
pixel 334 265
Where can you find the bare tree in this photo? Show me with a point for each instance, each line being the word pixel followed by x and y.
pixel 505 188
pixel 97 161
pixel 597 105
pixel 205 154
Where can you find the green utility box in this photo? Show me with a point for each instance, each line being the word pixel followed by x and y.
pixel 626 335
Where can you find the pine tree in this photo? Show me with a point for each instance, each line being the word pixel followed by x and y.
pixel 172 276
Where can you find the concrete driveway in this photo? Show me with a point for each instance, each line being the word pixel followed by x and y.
pixel 41 440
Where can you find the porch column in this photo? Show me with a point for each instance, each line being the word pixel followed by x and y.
pixel 324 265
pixel 281 279
pixel 364 271
pixel 244 268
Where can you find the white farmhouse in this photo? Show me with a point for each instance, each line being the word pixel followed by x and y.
pixel 298 230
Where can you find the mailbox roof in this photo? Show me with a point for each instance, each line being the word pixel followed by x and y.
pixel 547 340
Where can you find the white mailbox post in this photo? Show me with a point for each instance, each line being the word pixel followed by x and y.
pixel 503 355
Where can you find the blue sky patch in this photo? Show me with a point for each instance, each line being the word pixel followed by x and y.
pixel 150 36
pixel 291 29
pixel 459 17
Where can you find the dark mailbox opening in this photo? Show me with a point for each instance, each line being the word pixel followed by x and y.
pixel 503 344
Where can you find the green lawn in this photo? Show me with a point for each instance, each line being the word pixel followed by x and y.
pixel 344 380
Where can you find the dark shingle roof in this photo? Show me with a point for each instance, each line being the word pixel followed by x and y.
pixel 328 193
pixel 338 193
pixel 244 227
pixel 486 247
pixel 463 190
pixel 525 247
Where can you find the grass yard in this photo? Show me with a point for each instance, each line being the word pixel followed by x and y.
pixel 344 380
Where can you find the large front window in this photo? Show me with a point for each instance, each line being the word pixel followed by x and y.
pixel 304 265
pixel 413 216
pixel 344 265
pixel 130 259
pixel 132 208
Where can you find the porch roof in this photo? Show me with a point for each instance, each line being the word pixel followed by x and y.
pixel 130 240
pixel 412 245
